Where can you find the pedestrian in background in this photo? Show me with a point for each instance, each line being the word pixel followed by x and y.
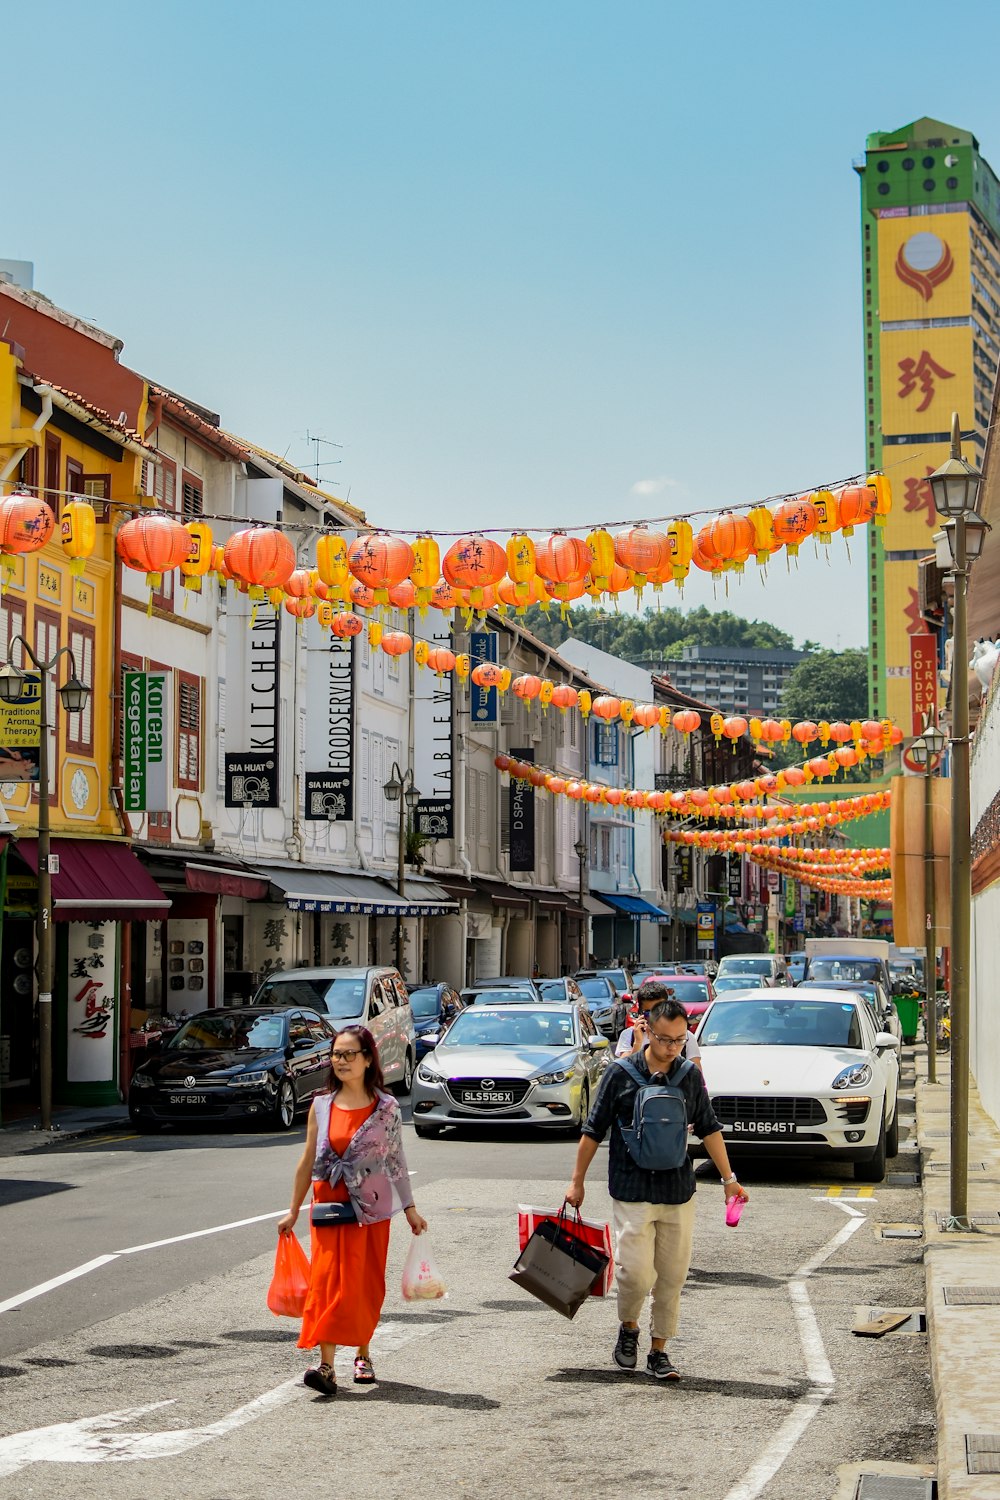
pixel 633 1038
pixel 353 1154
pixel 653 1209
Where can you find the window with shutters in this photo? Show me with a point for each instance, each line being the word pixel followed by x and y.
pixel 74 477
pixel 188 731
pixel 53 470
pixel 46 644
pixel 605 849
pixel 97 488
pixel 192 496
pixel 220 735
pixel 365 778
pixel 27 474
pixel 165 492
pixel 80 727
pixel 12 623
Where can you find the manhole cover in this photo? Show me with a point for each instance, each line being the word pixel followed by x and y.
pixel 982 1452
pixel 972 1296
pixel 901 1231
pixel 894 1487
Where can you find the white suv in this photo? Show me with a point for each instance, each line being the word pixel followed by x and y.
pixel 765 969
pixel 375 997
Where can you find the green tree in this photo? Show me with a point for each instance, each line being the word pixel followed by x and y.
pixel 655 635
pixel 828 685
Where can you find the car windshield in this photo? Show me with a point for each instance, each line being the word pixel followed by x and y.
pixel 745 965
pixel 498 1028
pixel 228 1031
pixel 500 997
pixel 691 992
pixel 424 1004
pixel 618 977
pixel 781 1023
pixel 343 997
pixel 553 989
pixel 595 989
pixel 845 968
pixel 739 982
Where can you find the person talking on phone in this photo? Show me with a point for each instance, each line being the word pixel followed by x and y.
pixel 633 1038
pixel 653 1206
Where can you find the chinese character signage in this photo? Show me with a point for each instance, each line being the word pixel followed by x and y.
pixel 91 1023
pixel 923 680
pixel 145 742
pixel 684 859
pixel 484 704
pixel 20 732
pixel 329 793
pixel 735 885
pixel 521 816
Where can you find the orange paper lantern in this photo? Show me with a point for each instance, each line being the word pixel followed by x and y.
pixel 27 523
pixel 259 556
pixel 151 543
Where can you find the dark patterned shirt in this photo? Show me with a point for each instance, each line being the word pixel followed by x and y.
pixel 613 1108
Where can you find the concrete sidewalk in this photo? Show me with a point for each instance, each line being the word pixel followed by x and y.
pixel 20 1136
pixel 963 1292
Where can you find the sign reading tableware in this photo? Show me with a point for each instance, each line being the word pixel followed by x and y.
pixel 145 742
pixel 432 750
pixel 20 732
pixel 329 792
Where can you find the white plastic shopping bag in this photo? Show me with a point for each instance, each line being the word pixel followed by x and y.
pixel 422 1281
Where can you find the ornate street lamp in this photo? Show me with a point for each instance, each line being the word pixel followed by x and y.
pixel 400 788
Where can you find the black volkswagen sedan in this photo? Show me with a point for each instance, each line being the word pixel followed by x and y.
pixel 259 1062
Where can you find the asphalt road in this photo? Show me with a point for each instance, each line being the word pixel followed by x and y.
pixel 488 1393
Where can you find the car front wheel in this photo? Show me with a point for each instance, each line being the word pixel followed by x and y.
pixel 427 1132
pixel 284 1106
pixel 405 1084
pixel 892 1137
pixel 873 1170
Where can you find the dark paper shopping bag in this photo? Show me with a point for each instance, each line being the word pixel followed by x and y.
pixel 558 1269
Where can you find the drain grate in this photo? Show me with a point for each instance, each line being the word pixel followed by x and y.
pixel 972 1296
pixel 895 1487
pixel 945 1166
pixel 991 1220
pixel 901 1231
pixel 902 1179
pixel 982 1452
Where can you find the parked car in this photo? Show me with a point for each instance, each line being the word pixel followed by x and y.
pixel 534 1064
pixel 803 1074
pixel 796 966
pixel 873 993
pixel 491 992
pixel 771 967
pixel 250 1062
pixel 695 992
pixel 559 989
pixel 375 997
pixel 434 1008
pixel 620 977
pixel 731 984
pixel 607 1007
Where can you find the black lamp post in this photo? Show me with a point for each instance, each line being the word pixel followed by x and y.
pixel 926 750
pixel 74 695
pixel 581 851
pixel 400 788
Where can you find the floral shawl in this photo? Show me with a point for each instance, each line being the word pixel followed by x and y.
pixel 373 1168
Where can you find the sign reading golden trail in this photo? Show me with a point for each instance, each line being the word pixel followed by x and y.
pixel 21 732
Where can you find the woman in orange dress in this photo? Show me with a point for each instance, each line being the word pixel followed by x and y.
pixel 353 1155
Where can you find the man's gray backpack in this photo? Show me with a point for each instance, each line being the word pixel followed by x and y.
pixel 658 1136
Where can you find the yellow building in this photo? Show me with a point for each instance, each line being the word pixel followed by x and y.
pixel 930 211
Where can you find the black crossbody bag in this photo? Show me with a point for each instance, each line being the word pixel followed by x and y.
pixel 332 1215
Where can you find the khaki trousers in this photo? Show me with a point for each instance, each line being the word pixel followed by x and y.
pixel 652 1253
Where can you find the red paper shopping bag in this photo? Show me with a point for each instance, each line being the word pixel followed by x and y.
pixel 590 1231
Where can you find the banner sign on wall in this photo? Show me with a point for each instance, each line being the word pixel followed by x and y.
pixel 92 990
pixel 684 858
pixel 484 703
pixel 21 732
pixel 146 741
pixel 252 776
pixel 736 876
pixel 329 794
pixel 521 816
pixel 923 680
pixel 252 781
pixel 432 749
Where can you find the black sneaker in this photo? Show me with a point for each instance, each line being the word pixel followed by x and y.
pixel 627 1348
pixel 658 1365
pixel 322 1380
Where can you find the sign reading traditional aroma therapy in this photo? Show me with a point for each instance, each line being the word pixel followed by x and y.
pixel 20 732
pixel 145 741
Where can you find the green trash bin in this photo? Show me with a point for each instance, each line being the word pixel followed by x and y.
pixel 908 1009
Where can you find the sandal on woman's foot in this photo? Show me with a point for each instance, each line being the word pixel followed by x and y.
pixel 363 1371
pixel 321 1379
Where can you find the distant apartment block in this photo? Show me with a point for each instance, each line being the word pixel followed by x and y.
pixel 735 679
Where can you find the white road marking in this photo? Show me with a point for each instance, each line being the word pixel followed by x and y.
pixel 92 1440
pixel 102 1260
pixel 818 1368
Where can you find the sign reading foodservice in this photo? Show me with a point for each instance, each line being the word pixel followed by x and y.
pixel 145 742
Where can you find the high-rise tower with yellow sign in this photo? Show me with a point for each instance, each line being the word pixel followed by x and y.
pixel 930 228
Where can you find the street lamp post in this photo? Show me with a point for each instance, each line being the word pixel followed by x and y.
pixel 926 750
pixel 581 851
pixel 955 486
pixel 400 788
pixel 74 695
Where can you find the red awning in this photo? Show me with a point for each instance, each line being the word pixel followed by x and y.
pixel 99 881
pixel 214 880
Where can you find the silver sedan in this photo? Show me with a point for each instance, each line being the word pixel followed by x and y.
pixel 511 1064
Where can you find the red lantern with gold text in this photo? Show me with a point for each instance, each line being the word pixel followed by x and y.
pixel 794 521
pixel 526 687
pixel 474 562
pixel 152 544
pixel 345 625
pixel 487 674
pixel 380 562
pixel 27 523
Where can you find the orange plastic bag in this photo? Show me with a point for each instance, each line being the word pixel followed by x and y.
pixel 286 1296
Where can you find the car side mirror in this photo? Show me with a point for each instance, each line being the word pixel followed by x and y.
pixel 597 1043
pixel 885 1040
pixel 301 1043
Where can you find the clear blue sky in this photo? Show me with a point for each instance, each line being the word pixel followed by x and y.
pixel 517 258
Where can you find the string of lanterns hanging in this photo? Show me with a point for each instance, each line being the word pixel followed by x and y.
pixel 475 572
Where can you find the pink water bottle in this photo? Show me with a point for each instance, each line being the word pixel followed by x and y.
pixel 734 1208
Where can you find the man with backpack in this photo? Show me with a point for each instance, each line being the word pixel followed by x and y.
pixel 647 1101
